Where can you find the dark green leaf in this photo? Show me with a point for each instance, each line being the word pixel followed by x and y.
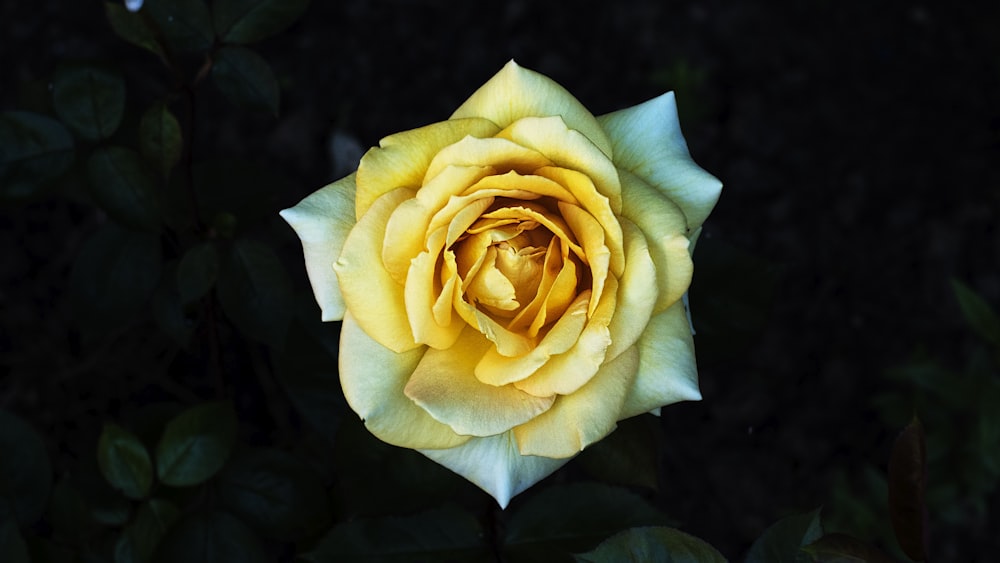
pixel 210 538
pixel 246 79
pixel 123 187
pixel 443 534
pixel 246 21
pixel 977 312
pixel 12 546
pixel 139 540
pixel 196 444
pixel 197 272
pixel 168 310
pixel 308 373
pixel 132 27
pixel 659 544
pixel 68 513
pixel 782 542
pixel 113 276
pixel 34 149
pixel 160 139
pixel 277 494
pixel 842 548
pixel 124 461
pixel 573 519
pixel 255 292
pixel 90 99
pixel 25 477
pixel 907 476
pixel 185 24
pixel 628 455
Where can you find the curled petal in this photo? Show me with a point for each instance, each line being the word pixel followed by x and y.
pixel 647 141
pixel 667 372
pixel 442 383
pixel 577 420
pixel 323 221
pixel 495 465
pixel 401 159
pixel 373 378
pixel 515 93
pixel 637 288
pixel 376 300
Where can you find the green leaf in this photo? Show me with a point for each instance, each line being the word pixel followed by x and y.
pixel 68 514
pixel 197 272
pixel 641 545
pixel 442 534
pixel 783 541
pixel 245 189
pixel 211 537
pixel 139 540
pixel 308 373
pixel 977 312
pixel 196 444
pixel 907 477
pixel 114 274
pixel 573 519
pixel 12 546
pixel 246 79
pixel 25 472
pixel 168 310
pixel 34 149
pixel 90 99
pixel 842 548
pixel 255 292
pixel 246 21
pixel 132 27
pixel 124 461
pixel 122 186
pixel 275 493
pixel 160 139
pixel 628 456
pixel 185 24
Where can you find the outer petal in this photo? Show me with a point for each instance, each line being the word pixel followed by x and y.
pixel 375 299
pixel 663 224
pixel 575 421
pixel 667 370
pixel 373 378
pixel 495 466
pixel 323 220
pixel 444 385
pixel 401 159
pixel 647 140
pixel 517 92
pixel 637 289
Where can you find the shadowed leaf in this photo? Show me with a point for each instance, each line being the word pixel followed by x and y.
pixel 197 272
pixel 122 186
pixel 246 21
pixel 196 444
pixel 34 149
pixel 160 138
pixel 783 540
pixel 641 545
pixel 246 79
pixel 842 548
pixel 90 99
pixel 124 461
pixel 132 27
pixel 185 24
pixel 255 292
pixel 977 313
pixel 213 537
pixel 907 489
pixel 25 478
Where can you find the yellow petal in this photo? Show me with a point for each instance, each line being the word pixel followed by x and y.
pixel 647 141
pixel 664 226
pixel 591 236
pixel 323 221
pixel 516 92
pixel 667 372
pixel 401 159
pixel 567 148
pixel 637 292
pixel 444 386
pixel 495 466
pixel 565 373
pixel 524 186
pixel 500 154
pixel 495 369
pixel 376 300
pixel 575 421
pixel 428 304
pixel 373 378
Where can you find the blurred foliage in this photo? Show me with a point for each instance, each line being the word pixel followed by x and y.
pixel 184 243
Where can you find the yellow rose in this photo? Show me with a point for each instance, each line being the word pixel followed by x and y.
pixel 511 280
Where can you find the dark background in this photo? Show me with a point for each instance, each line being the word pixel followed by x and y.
pixel 858 143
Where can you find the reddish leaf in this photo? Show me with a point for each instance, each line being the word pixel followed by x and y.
pixel 907 487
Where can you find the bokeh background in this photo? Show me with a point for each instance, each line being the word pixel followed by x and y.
pixel 859 145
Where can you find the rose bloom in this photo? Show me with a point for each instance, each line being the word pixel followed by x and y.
pixel 510 280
